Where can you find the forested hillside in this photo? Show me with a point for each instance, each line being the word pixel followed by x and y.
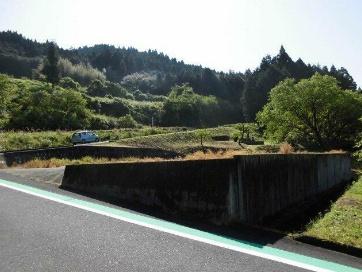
pixel 117 82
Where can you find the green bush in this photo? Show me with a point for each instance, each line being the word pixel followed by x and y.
pixel 126 121
pixel 100 122
pixel 12 140
pixel 36 105
pixel 109 106
pixel 186 108
pixel 69 83
pixel 102 89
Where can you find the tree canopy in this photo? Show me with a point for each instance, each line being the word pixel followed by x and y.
pixel 314 112
pixel 272 70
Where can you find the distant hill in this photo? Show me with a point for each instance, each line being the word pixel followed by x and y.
pixel 155 73
pixel 148 71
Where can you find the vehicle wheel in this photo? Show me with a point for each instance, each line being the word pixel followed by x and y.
pixel 97 140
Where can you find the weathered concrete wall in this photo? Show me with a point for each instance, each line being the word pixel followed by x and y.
pixel 245 189
pixel 79 151
pixel 269 183
pixel 200 187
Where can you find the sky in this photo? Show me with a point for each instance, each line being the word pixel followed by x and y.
pixel 220 34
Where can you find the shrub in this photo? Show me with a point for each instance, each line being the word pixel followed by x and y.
pixel 286 148
pixel 126 121
pixel 99 122
pixel 38 106
pixel 109 106
pixel 69 83
pixel 106 89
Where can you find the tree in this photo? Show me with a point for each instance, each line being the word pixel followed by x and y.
pixel 186 108
pixel 272 70
pixel 314 112
pixel 242 135
pixel 202 135
pixel 44 107
pixel 50 68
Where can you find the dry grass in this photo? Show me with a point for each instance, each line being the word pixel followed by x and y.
pixel 54 162
pixel 208 154
pixel 286 148
pixel 334 151
pixel 198 155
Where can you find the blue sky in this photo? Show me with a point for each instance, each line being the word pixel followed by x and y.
pixel 224 34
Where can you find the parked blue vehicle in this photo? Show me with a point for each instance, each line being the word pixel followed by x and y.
pixel 84 136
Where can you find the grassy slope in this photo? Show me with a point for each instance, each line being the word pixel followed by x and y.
pixel 181 141
pixel 343 223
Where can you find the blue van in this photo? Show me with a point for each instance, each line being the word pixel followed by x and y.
pixel 84 136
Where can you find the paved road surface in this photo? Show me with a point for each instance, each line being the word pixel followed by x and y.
pixel 39 234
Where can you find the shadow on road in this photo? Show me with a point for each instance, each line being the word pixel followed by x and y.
pixel 269 232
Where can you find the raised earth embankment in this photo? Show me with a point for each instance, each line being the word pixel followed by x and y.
pixel 247 188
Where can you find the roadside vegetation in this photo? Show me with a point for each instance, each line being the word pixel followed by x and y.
pixel 56 162
pixel 16 140
pixel 342 224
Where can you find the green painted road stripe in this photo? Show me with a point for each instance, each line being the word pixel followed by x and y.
pixel 254 249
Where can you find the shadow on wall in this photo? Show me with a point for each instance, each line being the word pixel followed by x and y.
pixel 245 189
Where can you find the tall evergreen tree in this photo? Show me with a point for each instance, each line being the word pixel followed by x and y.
pixel 50 68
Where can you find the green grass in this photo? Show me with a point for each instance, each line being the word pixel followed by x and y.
pixel 57 162
pixel 181 140
pixel 189 141
pixel 15 140
pixel 11 140
pixel 173 138
pixel 343 223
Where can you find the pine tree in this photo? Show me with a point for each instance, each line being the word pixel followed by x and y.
pixel 50 68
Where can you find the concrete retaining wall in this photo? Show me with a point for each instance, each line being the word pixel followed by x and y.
pixel 173 186
pixel 243 189
pixel 269 183
pixel 79 151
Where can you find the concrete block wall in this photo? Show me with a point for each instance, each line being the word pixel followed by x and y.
pixel 244 189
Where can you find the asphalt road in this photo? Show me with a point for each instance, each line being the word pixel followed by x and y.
pixel 38 234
